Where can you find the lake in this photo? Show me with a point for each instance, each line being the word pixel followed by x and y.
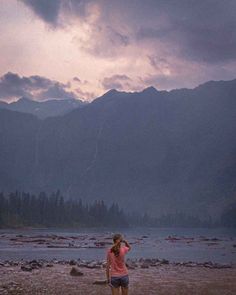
pixel 173 244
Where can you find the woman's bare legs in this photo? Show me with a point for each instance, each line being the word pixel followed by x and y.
pixel 115 291
pixel 125 291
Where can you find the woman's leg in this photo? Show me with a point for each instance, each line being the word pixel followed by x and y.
pixel 125 291
pixel 116 291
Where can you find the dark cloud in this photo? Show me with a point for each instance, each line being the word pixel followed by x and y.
pixel 76 79
pixel 79 81
pixel 105 41
pixel 159 63
pixel 161 82
pixel 14 86
pixel 152 33
pixel 202 31
pixel 210 44
pixel 116 82
pixel 117 38
pixel 48 10
pixel 85 94
pixel 56 91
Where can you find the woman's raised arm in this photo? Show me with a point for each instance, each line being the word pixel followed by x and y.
pixel 127 244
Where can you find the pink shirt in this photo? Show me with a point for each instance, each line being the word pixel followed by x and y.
pixel 117 264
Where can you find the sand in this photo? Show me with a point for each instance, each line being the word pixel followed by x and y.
pixel 164 279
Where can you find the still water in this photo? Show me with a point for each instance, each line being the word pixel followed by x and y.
pixel 174 244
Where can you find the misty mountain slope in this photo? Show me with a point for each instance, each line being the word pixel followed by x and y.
pixel 153 151
pixel 3 104
pixel 43 109
pixel 17 149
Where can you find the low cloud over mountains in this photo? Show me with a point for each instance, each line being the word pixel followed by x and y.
pixel 14 86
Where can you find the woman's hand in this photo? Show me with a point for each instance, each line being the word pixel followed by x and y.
pixel 127 244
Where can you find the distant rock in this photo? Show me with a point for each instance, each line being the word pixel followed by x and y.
pixel 144 265
pixel 165 261
pixel 76 272
pixel 26 268
pixel 100 282
pixel 72 262
pixel 130 264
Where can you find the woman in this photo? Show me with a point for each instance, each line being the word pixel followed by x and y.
pixel 116 270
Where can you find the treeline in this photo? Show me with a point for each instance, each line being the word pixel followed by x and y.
pixel 228 218
pixel 21 209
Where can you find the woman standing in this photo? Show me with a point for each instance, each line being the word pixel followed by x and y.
pixel 116 270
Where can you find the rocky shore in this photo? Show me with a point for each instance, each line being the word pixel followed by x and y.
pixel 54 276
pixel 100 264
pixel 147 276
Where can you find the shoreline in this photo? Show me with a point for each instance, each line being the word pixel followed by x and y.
pixel 131 263
pixel 114 227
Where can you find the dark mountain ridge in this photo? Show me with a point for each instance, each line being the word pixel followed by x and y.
pixel 153 151
pixel 43 109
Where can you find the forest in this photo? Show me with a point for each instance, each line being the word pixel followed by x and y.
pixel 21 209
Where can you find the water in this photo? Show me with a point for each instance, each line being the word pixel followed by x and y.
pixel 190 245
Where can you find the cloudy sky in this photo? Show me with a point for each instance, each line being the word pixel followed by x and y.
pixel 82 48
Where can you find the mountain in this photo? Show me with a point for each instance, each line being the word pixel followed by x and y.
pixel 43 109
pixel 3 104
pixel 152 151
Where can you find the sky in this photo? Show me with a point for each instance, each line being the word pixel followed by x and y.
pixel 83 48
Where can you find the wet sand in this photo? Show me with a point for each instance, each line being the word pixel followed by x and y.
pixel 163 279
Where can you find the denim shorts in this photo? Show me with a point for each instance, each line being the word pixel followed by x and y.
pixel 122 281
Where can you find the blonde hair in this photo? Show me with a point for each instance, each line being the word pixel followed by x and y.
pixel 116 248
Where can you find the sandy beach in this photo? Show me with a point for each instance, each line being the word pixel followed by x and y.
pixel 55 278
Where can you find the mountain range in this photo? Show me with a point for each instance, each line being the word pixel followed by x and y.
pixel 153 151
pixel 43 109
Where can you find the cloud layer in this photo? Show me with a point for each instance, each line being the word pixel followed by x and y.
pixel 13 86
pixel 203 30
pixel 119 44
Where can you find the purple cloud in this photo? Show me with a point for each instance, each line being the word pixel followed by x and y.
pixel 116 82
pixel 14 86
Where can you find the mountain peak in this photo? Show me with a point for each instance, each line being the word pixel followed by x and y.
pixel 213 84
pixel 111 92
pixel 24 99
pixel 150 90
